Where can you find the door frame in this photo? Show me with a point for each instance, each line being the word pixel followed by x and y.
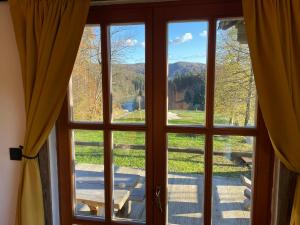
pixel 155 16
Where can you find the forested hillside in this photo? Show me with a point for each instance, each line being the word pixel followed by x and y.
pixel 174 68
pixel 234 93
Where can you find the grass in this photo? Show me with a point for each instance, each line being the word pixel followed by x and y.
pixel 187 117
pixel 182 162
pixel 130 117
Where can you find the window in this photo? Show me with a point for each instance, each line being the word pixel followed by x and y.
pixel 161 123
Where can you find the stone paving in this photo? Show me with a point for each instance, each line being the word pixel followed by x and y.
pixel 185 198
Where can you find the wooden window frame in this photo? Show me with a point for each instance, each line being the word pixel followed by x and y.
pixel 155 16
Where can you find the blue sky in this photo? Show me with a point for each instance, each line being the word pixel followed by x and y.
pixel 187 41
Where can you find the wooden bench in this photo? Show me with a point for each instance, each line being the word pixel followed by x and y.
pixel 247 192
pixel 94 199
pixel 247 161
pixel 90 188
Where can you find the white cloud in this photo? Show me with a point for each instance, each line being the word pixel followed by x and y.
pixel 143 44
pixel 184 38
pixel 187 37
pixel 203 33
pixel 131 42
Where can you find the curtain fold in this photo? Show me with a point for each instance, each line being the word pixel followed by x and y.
pixel 48 33
pixel 273 31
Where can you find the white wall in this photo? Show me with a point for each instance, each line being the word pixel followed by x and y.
pixel 12 116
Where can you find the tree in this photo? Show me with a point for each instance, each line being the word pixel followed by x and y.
pixel 235 96
pixel 87 78
pixel 87 75
pixel 188 96
pixel 192 85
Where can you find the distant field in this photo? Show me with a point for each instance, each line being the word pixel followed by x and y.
pixel 177 162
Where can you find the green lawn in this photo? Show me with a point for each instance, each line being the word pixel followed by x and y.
pixel 186 117
pixel 182 162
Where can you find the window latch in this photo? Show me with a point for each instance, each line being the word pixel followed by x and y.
pixel 157 198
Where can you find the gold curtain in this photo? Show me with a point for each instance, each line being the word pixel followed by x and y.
pixel 273 31
pixel 48 34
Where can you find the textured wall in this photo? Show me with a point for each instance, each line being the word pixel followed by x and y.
pixel 12 116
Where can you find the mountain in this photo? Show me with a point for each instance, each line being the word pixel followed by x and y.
pixel 137 68
pixel 174 68
pixel 185 68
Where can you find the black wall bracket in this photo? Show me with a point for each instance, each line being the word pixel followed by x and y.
pixel 15 153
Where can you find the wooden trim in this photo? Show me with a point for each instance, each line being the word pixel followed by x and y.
pixel 159 113
pixel 235 131
pixel 107 126
pixel 263 175
pixel 127 127
pixel 108 16
pixel 209 120
pixel 87 220
pixel 64 164
pixel 186 129
pixel 235 7
pixel 212 131
pixel 124 222
pixel 152 2
pixel 149 115
pixel 86 125
pixel 106 87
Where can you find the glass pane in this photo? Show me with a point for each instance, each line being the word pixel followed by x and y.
pixel 235 92
pixel 89 172
pixel 128 73
pixel 187 55
pixel 129 175
pixel 185 178
pixel 86 80
pixel 232 179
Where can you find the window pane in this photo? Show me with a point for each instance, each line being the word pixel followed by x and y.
pixel 86 79
pixel 89 172
pixel 232 179
pixel 128 73
pixel 129 175
pixel 187 55
pixel 185 178
pixel 235 92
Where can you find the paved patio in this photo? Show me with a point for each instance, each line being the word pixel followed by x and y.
pixel 186 199
pixel 185 195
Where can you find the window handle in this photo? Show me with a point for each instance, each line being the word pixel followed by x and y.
pixel 157 198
